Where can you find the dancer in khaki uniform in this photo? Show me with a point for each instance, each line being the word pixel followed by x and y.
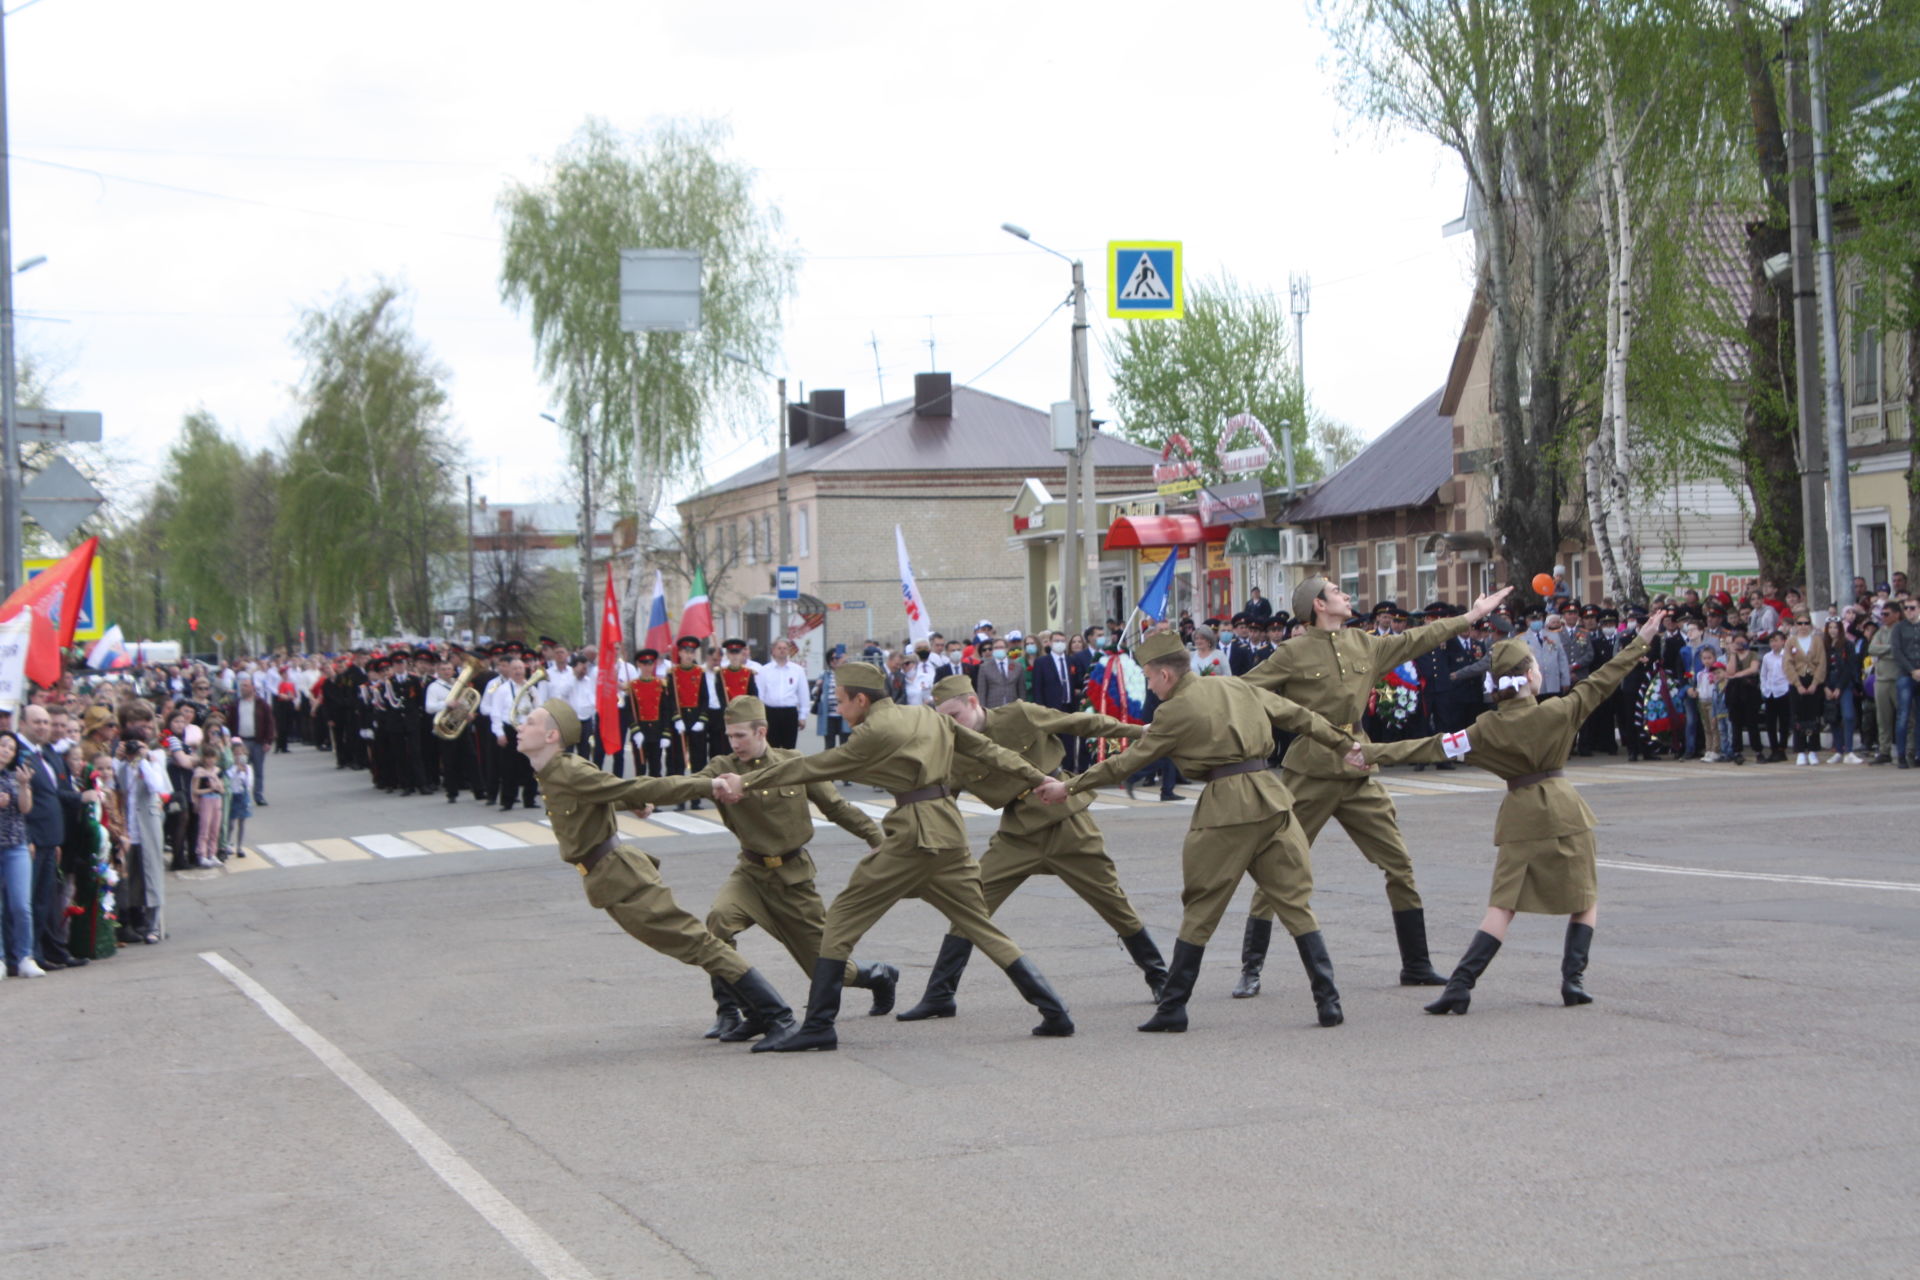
pixel 773 885
pixel 1219 731
pixel 1545 830
pixel 1331 668
pixel 1034 839
pixel 923 850
pixel 621 880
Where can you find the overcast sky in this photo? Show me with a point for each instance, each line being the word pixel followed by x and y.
pixel 197 171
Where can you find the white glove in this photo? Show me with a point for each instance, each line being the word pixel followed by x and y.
pixel 679 726
pixel 666 743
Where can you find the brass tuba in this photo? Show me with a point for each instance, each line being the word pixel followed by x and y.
pixel 522 699
pixel 462 703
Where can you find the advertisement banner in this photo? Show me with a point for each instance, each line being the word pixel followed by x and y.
pixel 1228 503
pixel 15 634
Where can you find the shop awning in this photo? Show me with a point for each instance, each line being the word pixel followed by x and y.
pixel 1244 541
pixel 1153 531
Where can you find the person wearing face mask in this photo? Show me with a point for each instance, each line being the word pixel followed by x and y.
pixel 1000 677
pixel 920 675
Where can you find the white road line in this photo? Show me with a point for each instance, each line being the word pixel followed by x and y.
pixel 389 846
pixel 289 853
pixel 1460 788
pixel 682 823
pixel 542 1251
pixel 975 808
pixel 874 811
pixel 1904 886
pixel 487 837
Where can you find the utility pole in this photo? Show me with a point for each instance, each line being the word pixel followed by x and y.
pixel 1840 499
pixel 1806 321
pixel 9 432
pixel 1300 290
pixel 1074 587
pixel 781 439
pixel 473 618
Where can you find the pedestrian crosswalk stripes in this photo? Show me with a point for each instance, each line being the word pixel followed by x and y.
pixel 537 833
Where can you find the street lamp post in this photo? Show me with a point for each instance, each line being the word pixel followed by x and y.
pixel 9 434
pixel 1074 553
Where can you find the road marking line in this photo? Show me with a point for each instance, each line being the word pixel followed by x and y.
pixel 252 862
pixel 438 841
pixel 684 823
pixel 531 832
pixel 547 1255
pixel 977 809
pixel 871 810
pixel 390 846
pixel 1449 788
pixel 487 837
pixel 334 849
pixel 1905 886
pixel 638 827
pixel 289 853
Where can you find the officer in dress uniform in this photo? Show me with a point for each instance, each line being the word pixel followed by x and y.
pixel 621 880
pixel 516 775
pixel 772 886
pixel 1545 830
pixel 653 716
pixel 348 690
pixel 923 849
pixel 1034 839
pixel 1220 733
pixel 1330 669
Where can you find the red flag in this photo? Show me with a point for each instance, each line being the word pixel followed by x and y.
pixel 54 597
pixel 606 688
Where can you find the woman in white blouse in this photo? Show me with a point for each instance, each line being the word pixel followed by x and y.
pixel 1207 658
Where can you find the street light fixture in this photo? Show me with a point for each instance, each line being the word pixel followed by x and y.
pixel 1080 487
pixel 37 260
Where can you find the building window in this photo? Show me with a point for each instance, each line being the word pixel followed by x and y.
pixel 1350 571
pixel 1386 570
pixel 1866 352
pixel 1426 577
pixel 802 533
pixel 753 541
pixel 766 531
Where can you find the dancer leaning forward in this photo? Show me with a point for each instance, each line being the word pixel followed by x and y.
pixel 1545 830
pixel 1220 732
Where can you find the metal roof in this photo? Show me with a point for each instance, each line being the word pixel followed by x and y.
pixel 1404 467
pixel 985 433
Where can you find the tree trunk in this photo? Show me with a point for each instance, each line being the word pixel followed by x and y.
pixel 1616 212
pixel 588 605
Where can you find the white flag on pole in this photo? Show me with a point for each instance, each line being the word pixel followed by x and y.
pixel 919 627
pixel 15 636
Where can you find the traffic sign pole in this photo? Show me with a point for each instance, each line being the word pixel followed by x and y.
pixel 9 441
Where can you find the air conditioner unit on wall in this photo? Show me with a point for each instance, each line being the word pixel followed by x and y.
pixel 1300 548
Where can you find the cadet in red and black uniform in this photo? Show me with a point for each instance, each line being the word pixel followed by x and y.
pixel 736 678
pixel 694 707
pixel 653 713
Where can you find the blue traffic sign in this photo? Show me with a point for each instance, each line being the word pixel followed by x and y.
pixel 1144 281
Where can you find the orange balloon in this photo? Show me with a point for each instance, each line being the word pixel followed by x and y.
pixel 1543 584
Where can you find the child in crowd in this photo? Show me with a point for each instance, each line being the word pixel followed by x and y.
pixel 208 790
pixel 1712 690
pixel 239 804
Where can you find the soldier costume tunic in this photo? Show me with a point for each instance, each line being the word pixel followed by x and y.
pixel 1545 830
pixel 923 849
pixel 1331 673
pixel 1243 823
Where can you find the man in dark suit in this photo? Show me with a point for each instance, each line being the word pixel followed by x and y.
pixel 1259 610
pixel 1054 686
pixel 56 810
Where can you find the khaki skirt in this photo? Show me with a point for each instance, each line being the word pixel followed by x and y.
pixel 1552 876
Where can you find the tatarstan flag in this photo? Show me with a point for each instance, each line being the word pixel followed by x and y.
pixel 697 618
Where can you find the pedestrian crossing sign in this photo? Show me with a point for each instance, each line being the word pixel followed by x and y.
pixel 1144 281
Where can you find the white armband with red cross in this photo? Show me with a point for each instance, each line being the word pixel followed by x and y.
pixel 1455 744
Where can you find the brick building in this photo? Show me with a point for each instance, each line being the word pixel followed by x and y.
pixel 939 464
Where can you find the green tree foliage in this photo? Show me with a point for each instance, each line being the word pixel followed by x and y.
pixel 645 400
pixel 368 500
pixel 202 481
pixel 1230 355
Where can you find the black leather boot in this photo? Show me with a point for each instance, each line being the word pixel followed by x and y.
pixel 1053 1014
pixel 881 979
pixel 1459 992
pixel 942 982
pixel 1253 957
pixel 1416 967
pixel 1326 998
pixel 1147 956
pixel 823 1006
pixel 726 1011
pixel 1573 964
pixel 767 1015
pixel 1174 993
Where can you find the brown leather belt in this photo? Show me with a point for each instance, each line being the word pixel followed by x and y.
pixel 773 859
pixel 1534 779
pixel 1229 770
pixel 905 798
pixel 595 854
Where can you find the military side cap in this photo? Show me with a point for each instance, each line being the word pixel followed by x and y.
pixel 861 677
pixel 746 709
pixel 1304 595
pixel 1156 648
pixel 950 687
pixel 564 720
pixel 1511 655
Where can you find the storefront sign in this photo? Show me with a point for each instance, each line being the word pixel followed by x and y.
pixel 1252 456
pixel 1173 475
pixel 1227 503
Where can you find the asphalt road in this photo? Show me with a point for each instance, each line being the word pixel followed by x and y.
pixel 1739 1101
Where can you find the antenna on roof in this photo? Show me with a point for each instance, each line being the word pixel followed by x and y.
pixel 933 355
pixel 873 340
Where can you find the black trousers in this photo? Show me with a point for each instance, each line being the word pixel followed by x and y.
pixel 1809 709
pixel 783 727
pixel 1743 709
pixel 613 745
pixel 283 711
pixel 516 779
pixel 1776 716
pixel 455 762
pixel 650 758
pixel 688 752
